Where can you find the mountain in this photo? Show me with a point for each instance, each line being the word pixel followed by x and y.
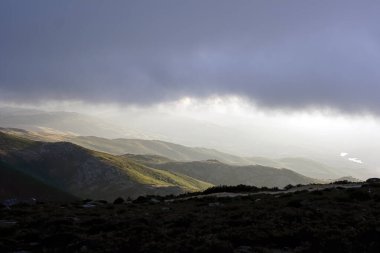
pixel 219 173
pixel 62 123
pixel 121 146
pixel 176 152
pixel 147 147
pixel 86 173
pixel 89 174
pixel 300 165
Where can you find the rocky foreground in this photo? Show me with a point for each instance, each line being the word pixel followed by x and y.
pixel 323 220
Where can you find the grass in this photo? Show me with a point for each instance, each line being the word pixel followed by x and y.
pixel 146 175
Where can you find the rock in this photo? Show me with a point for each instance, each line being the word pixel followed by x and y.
pixel 10 202
pixel 84 248
pixel 215 204
pixel 7 223
pixel 88 205
pixel 14 201
pixel 118 201
pixel 154 200
pixel 243 249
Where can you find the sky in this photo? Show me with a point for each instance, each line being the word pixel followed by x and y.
pixel 281 54
pixel 204 70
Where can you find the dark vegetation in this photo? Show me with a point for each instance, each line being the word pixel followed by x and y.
pixel 330 220
pixel 226 188
pixel 19 185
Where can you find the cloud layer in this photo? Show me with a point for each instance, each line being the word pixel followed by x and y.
pixel 282 54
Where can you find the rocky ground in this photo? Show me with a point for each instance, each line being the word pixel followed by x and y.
pixel 326 220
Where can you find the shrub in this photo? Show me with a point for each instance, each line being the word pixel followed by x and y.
pixel 237 188
pixel 359 195
pixel 288 187
pixel 342 182
pixel 294 203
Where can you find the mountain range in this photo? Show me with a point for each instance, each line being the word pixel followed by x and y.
pixel 219 173
pixel 64 123
pixel 86 173
pixel 176 152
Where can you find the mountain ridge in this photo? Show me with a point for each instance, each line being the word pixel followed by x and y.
pixel 177 152
pixel 90 174
pixel 219 173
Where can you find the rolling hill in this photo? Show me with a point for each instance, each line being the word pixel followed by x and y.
pixel 60 122
pixel 176 152
pixel 219 173
pixel 86 173
pixel 148 147
pixel 89 174
pixel 304 166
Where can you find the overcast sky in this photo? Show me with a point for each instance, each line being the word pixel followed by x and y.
pixel 277 54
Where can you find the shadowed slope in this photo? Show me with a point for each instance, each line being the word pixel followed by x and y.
pixel 16 184
pixel 87 173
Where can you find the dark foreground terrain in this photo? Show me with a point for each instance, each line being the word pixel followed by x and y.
pixel 327 220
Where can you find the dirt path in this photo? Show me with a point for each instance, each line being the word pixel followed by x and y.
pixel 310 188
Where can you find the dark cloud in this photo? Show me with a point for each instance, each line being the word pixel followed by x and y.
pixel 278 53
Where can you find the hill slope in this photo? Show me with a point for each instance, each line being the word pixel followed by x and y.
pixel 89 174
pixel 176 152
pixel 219 173
pixel 16 184
pixel 304 166
pixel 154 147
pixel 63 122
pixel 300 165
